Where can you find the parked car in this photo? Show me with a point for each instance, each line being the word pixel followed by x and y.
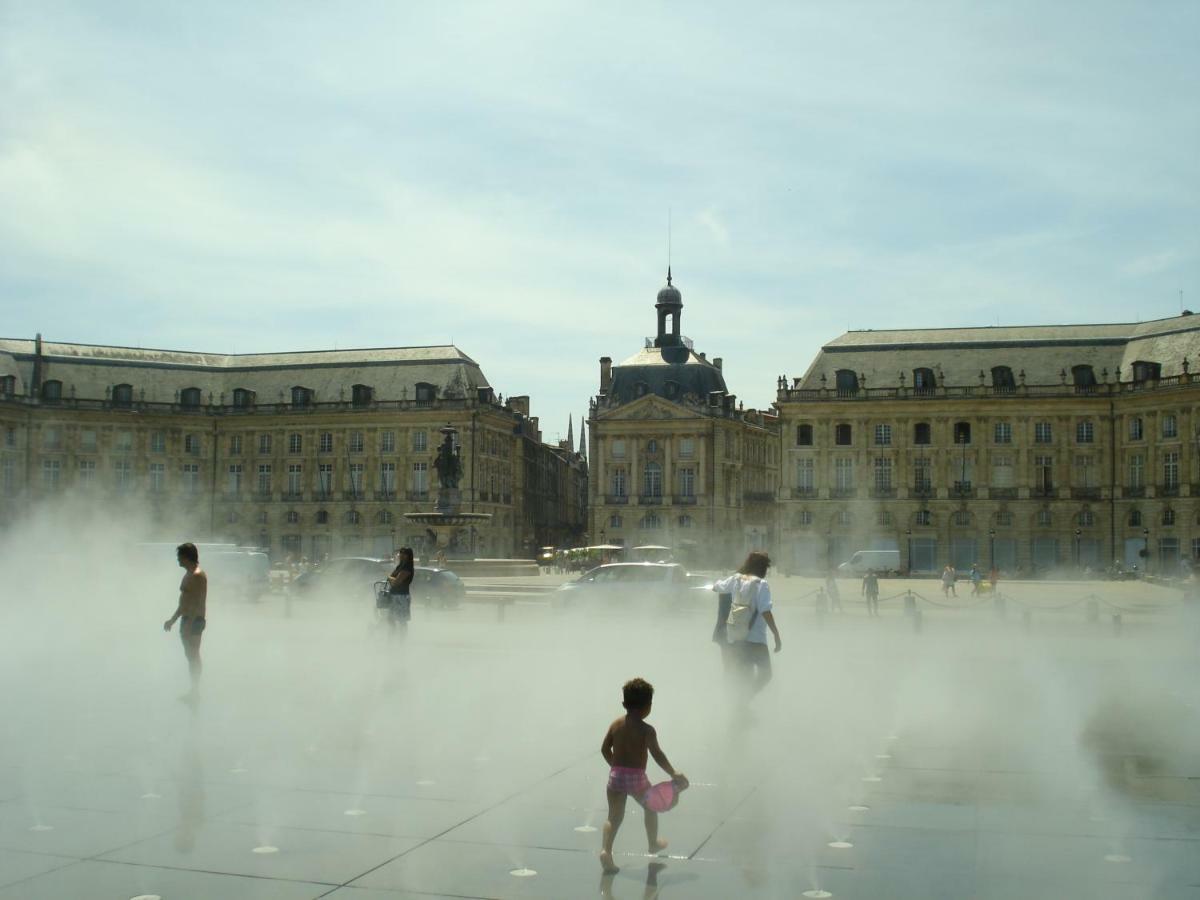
pixel 354 578
pixel 665 584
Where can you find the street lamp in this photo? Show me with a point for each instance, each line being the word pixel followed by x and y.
pixel 992 548
pixel 829 549
pixel 908 544
pixel 1077 533
pixel 1145 550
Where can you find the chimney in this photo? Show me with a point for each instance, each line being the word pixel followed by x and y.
pixel 35 385
pixel 717 361
pixel 703 356
pixel 520 405
pixel 605 374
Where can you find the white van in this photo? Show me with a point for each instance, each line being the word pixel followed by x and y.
pixel 863 561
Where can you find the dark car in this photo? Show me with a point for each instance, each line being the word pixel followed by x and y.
pixel 662 583
pixel 354 578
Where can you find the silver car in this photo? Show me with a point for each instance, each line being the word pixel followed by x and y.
pixel 634 582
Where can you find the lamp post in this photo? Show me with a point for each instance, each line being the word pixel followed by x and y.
pixel 1145 550
pixel 991 549
pixel 1077 533
pixel 908 546
pixel 829 549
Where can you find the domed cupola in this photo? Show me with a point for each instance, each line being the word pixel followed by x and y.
pixel 669 306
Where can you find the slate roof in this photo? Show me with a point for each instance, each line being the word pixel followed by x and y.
pixel 393 372
pixel 1042 351
pixel 658 368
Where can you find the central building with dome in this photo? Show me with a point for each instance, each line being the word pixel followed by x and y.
pixel 676 460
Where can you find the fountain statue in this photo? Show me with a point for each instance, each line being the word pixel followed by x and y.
pixel 446 520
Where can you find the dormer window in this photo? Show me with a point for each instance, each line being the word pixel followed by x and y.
pixel 671 390
pixel 122 395
pixel 52 391
pixel 924 381
pixel 301 397
pixel 8 384
pixel 1002 379
pixel 189 398
pixel 361 395
pixel 1084 378
pixel 1146 371
pixel 242 398
pixel 847 382
pixel 425 393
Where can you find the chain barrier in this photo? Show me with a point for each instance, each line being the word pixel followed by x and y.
pixel 1041 607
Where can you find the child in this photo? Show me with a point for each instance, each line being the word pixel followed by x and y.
pixel 626 745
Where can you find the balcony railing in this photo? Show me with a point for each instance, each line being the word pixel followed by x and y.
pixel 1002 493
pixel 1134 490
pixel 293 496
pixel 962 489
pixel 385 495
pixel 759 496
pixel 684 499
pixel 831 393
pixel 1168 490
pixel 1044 492
pixel 616 499
pixel 417 495
pixel 263 496
pixel 840 493
pixel 1085 493
pixel 803 493
pixel 352 495
pixel 650 500
pixel 923 490
pixel 882 492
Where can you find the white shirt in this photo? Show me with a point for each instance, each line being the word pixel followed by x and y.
pixel 747 591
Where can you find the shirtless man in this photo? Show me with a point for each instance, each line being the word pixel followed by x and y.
pixel 627 743
pixel 193 592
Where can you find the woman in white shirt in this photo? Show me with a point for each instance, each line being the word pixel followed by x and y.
pixel 749 588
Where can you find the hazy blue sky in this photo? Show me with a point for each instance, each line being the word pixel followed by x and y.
pixel 255 176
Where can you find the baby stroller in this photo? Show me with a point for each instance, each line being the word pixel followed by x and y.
pixel 394 610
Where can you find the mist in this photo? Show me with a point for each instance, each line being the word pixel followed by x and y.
pixel 1048 757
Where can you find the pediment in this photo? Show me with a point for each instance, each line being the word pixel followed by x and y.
pixel 649 407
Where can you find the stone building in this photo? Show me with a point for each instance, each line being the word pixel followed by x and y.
pixel 1033 447
pixel 675 459
pixel 304 453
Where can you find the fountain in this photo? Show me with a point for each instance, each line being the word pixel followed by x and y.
pixel 447 519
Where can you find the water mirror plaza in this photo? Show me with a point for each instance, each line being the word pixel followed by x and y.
pixel 1051 752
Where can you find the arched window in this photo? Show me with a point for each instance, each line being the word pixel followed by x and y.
pixel 962 432
pixel 52 391
pixel 844 518
pixel 353 517
pixel 360 395
pixel 923 517
pixel 1168 516
pixel 924 381
pixel 804 435
pixel 842 434
pixel 883 519
pixel 650 521
pixel 685 521
pixel 652 480
pixel 961 518
pixel 242 398
pixel 426 393
pixel 1084 378
pixel 615 522
pixel 122 395
pixel 1002 379
pixel 1004 518
pixel 293 517
pixel 1135 518
pixel 384 517
pixel 322 517
pixel 189 398
pixel 1146 371
pixel 301 397
pixel 8 384
pixel 1086 518
pixel 847 382
pixel 921 433
pixel 641 389
pixel 1044 518
pixel 804 518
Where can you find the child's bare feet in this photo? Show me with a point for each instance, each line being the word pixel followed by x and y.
pixel 659 844
pixel 606 862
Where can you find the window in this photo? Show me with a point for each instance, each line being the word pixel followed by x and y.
pixel 922 474
pixel 1168 516
pixel 652 446
pixel 242 398
pixel 361 395
pixel 921 433
pixel 264 443
pixel 158 477
pixel 264 479
pixel 1086 518
pixel 687 482
pixel 158 442
pixel 87 471
pixel 353 517
pixel 235 445
pixel 1085 471
pixel 263 518
pixel 10 437
pixel 420 442
pixel 962 432
pixel 51 391
pixel 1170 427
pixel 122 395
pixel 614 522
pixel 1002 432
pixel 51 468
pixel 1146 371
pixel 384 517
pixel 425 393
pixel 191 478
pixel 295 442
pixel 123 442
pixel 1085 432
pixel 387 442
pixel 883 474
pixel 843 470
pixel 1043 433
pixel 883 435
pixel 293 517
pixel 842 435
pixel 420 477
pixel 804 518
pixel 923 517
pixel 234 485
pixel 1135 429
pixel 301 397
pixel 804 475
pixel 356 478
pixel 322 517
pixel 1083 378
pixel 618 449
pixel 883 519
pixel 687 448
pixel 923 381
pixel 325 442
pixel 191 444
pixel 619 483
pixel 189 398
pixel 1044 518
pixel 652 480
pixel 685 521
pixel 1137 470
pixel 52 437
pixel 847 383
pixel 8 385
pixel 650 521
pixel 1043 474
pixel 804 435
pixel 356 442
pixel 295 479
pixel 1135 518
pixel 1004 518
pixel 844 518
pixel 961 518
pixel 325 479
pixel 123 475
pixel 1003 471
pixel 1002 379
pixel 1171 470
pixel 387 477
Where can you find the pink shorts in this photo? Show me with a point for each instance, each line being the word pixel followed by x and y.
pixel 626 780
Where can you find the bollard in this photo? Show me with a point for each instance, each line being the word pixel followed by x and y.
pixel 1027 619
pixel 1116 623
pixel 998 605
pixel 916 621
pixel 1093 612
pixel 910 603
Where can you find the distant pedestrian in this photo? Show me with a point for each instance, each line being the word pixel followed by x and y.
pixel 949 576
pixel 976 579
pixel 832 592
pixel 870 589
pixel 994 578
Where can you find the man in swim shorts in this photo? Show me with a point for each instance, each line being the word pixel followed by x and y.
pixel 193 597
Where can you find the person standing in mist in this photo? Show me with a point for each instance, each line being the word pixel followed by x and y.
pixel 749 588
pixel 870 589
pixel 399 586
pixel 190 612
pixel 949 576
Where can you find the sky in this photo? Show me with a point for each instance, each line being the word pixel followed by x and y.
pixel 513 177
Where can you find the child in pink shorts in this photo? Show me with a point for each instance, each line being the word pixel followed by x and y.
pixel 627 744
